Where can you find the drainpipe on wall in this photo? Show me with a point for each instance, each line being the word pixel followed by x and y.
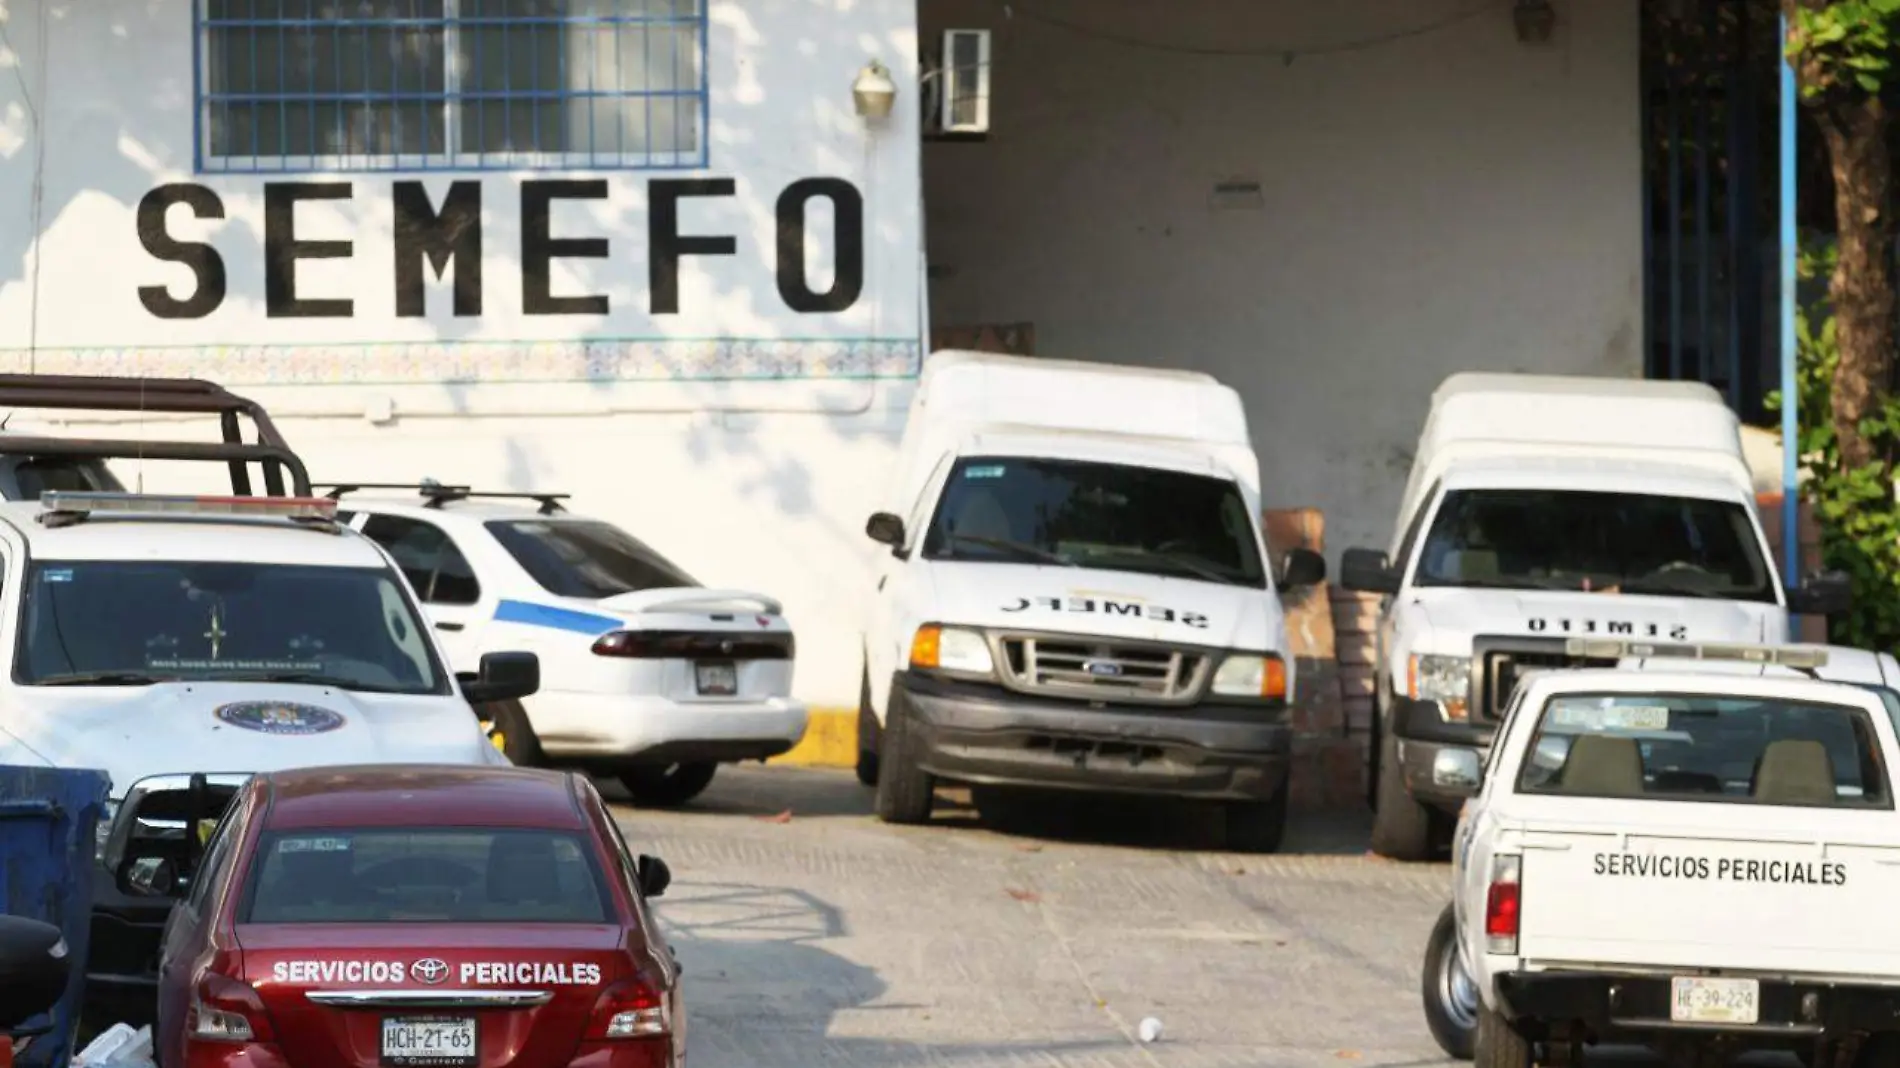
pixel 1790 391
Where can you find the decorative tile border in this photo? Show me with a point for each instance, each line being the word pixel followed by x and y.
pixel 436 363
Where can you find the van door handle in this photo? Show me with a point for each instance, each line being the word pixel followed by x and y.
pixel 448 626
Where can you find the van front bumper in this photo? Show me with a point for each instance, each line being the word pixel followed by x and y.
pixel 983 734
pixel 1421 733
pixel 1635 1008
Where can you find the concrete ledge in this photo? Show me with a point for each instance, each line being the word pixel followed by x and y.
pixel 831 741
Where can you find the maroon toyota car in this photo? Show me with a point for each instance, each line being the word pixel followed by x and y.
pixel 414 917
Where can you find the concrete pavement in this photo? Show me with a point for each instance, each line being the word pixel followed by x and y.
pixel 812 935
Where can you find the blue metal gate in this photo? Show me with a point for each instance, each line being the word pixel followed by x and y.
pixel 1711 189
pixel 47 849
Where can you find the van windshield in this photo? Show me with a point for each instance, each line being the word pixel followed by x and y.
pixel 131 623
pixel 1595 542
pixel 1110 517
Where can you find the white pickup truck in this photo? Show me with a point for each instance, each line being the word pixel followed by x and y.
pixel 1693 856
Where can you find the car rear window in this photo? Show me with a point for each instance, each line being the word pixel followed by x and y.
pixel 1698 748
pixel 586 558
pixel 458 875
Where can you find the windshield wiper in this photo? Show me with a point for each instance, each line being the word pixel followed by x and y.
pixel 1021 549
pixel 308 678
pixel 100 678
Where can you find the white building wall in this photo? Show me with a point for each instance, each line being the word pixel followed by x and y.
pixel 1443 201
pixel 738 435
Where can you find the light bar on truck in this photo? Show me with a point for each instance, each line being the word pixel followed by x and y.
pixel 74 503
pixel 1620 649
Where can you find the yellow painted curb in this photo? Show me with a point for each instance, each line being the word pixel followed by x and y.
pixel 831 741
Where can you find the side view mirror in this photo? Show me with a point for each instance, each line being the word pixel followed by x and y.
pixel 502 677
pixel 885 529
pixel 1302 568
pixel 150 876
pixel 1368 571
pixel 1825 594
pixel 653 875
pixel 1457 771
pixel 35 968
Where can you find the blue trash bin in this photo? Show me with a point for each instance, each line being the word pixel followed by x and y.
pixel 48 842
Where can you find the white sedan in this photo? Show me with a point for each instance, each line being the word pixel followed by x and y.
pixel 645 674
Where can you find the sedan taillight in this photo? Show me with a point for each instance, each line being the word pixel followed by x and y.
pixel 224 1009
pixel 631 1008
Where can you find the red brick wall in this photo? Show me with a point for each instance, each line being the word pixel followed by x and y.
pixel 1809 628
pixel 1328 764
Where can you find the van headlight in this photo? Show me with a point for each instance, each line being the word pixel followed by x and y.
pixel 951 649
pixel 1444 679
pixel 103 831
pixel 1260 675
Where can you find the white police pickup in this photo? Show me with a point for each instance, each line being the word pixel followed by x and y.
pixel 156 638
pixel 1678 854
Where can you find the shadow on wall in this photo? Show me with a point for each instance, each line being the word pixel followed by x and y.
pixel 107 149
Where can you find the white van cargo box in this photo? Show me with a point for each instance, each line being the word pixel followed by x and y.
pixel 963 393
pixel 1483 416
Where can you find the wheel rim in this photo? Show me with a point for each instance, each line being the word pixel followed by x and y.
pixel 1457 993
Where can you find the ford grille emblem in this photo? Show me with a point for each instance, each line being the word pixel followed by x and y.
pixel 1101 667
pixel 430 970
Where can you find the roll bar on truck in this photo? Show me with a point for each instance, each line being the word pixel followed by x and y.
pixel 283 472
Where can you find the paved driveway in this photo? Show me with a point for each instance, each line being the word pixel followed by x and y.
pixel 812 935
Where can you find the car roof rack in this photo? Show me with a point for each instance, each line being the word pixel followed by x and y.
pixel 196 396
pixel 436 494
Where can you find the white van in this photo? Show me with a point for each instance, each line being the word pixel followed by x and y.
pixel 1543 508
pixel 1078 594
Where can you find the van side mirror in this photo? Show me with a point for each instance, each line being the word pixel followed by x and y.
pixel 502 677
pixel 149 876
pixel 885 529
pixel 1368 571
pixel 1825 594
pixel 35 968
pixel 1301 568
pixel 653 875
pixel 1458 772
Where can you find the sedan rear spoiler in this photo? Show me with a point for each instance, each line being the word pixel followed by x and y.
pixel 692 599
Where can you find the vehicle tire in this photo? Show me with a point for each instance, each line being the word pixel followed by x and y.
pixel 509 729
pixel 1879 1051
pixel 867 734
pixel 905 792
pixel 667 785
pixel 1401 827
pixel 1496 1044
pixel 1446 987
pixel 1256 826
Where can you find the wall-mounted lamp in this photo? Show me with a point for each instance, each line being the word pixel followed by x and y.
pixel 1535 20
pixel 873 91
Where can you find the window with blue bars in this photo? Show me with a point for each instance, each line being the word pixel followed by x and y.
pixel 417 85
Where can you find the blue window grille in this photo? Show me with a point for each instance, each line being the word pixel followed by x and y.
pixel 420 85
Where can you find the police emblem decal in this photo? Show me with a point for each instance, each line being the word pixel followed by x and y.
pixel 279 717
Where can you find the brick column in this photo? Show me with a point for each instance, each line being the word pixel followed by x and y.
pixel 1327 764
pixel 1808 628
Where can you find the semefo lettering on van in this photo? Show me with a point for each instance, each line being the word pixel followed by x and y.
pixel 1612 627
pixel 1108 607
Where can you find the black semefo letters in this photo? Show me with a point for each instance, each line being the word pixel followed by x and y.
pixel 447 237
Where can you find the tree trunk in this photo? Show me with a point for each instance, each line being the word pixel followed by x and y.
pixel 1862 288
pixel 1854 124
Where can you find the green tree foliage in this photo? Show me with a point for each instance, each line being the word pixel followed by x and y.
pixel 1860 526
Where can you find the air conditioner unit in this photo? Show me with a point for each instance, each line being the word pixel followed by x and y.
pixel 964 72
